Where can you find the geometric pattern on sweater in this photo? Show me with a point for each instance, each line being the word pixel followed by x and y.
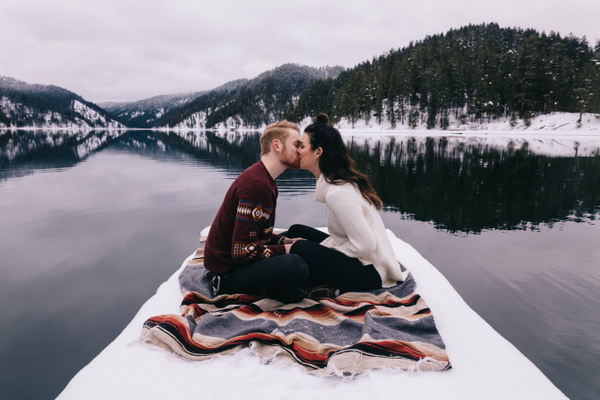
pixel 248 250
pixel 267 253
pixel 260 213
pixel 244 210
pixel 244 250
pixel 267 233
pixel 243 226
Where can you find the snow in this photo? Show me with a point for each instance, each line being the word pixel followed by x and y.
pixel 484 365
pixel 552 123
pixel 540 134
pixel 556 134
pixel 54 120
pixel 580 144
pixel 94 116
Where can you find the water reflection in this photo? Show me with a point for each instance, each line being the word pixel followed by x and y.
pixel 472 187
pixel 88 244
pixel 22 152
pixel 460 185
pixel 230 150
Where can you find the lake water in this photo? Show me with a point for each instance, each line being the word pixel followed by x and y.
pixel 92 223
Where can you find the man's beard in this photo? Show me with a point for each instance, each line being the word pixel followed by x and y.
pixel 289 160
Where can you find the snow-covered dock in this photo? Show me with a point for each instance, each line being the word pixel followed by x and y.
pixel 484 364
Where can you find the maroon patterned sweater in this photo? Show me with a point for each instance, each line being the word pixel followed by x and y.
pixel 242 231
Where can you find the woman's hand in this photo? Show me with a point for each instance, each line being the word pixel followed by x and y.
pixel 289 242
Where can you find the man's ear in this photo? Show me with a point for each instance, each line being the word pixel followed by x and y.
pixel 276 145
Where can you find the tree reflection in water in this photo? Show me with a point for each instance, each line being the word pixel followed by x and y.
pixel 473 187
pixel 459 185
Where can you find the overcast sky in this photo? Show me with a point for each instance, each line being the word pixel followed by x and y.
pixel 127 50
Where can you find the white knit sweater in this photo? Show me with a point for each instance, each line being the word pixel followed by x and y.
pixel 357 230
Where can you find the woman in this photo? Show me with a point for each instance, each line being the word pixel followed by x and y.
pixel 357 254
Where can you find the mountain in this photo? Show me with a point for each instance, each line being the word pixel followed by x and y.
pixel 474 75
pixel 251 104
pixel 469 75
pixel 145 113
pixel 48 106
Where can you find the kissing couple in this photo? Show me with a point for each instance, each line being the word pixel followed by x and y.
pixel 244 255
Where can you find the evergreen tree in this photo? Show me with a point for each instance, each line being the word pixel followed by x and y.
pixel 476 72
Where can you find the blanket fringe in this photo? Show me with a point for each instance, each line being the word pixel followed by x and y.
pixel 347 372
pixel 265 359
pixel 426 364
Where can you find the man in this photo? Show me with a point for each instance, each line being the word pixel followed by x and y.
pixel 241 249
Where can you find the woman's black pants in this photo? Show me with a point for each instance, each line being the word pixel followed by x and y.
pixel 328 266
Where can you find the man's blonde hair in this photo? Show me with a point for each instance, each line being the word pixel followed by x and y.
pixel 276 130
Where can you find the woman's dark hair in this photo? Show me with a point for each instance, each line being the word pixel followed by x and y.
pixel 335 164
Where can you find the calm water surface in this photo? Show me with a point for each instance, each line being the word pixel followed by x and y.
pixel 92 223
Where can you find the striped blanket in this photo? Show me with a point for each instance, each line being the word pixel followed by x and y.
pixel 349 334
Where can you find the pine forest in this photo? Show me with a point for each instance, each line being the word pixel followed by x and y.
pixel 478 72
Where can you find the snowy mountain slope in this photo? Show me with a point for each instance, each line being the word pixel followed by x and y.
pixel 146 113
pixel 253 104
pixel 24 105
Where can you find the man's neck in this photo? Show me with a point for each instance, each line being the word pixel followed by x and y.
pixel 273 165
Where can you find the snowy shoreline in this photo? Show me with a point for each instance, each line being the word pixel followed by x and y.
pixel 557 134
pixel 554 124
pixel 555 121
